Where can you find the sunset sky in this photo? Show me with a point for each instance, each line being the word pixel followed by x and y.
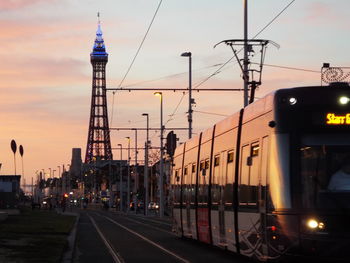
pixel 45 70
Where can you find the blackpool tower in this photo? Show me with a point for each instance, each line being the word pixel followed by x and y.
pixel 99 142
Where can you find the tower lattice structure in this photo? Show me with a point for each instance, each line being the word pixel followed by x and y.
pixel 99 142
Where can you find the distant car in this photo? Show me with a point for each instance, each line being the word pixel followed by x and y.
pixel 153 206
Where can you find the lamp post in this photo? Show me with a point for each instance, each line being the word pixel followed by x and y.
pixel 190 100
pixel 136 181
pixel 121 179
pixel 128 186
pixel 161 172
pixel 43 174
pixel 145 181
pixel 59 175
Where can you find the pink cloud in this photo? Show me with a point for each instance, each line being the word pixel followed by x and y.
pixel 316 12
pixel 17 4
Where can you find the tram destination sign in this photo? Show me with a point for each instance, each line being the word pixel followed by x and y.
pixel 337 119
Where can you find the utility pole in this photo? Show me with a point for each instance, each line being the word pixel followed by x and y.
pixel 190 100
pixel 121 179
pixel 245 60
pixel 136 181
pixel 145 181
pixel 128 183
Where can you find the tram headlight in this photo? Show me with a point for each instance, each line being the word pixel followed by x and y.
pixel 314 224
pixel 292 100
pixel 343 100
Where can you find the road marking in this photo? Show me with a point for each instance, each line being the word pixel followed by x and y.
pixel 149 241
pixel 117 258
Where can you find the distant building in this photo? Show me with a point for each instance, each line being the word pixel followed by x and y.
pixel 9 190
pixel 75 167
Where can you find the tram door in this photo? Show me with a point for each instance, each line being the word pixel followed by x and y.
pixel 192 202
pixel 186 195
pixel 249 220
pixel 203 208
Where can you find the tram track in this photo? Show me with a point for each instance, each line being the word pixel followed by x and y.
pixel 115 255
pixel 117 250
pixel 148 240
pixel 137 239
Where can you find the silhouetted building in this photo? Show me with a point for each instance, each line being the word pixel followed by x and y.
pixel 9 190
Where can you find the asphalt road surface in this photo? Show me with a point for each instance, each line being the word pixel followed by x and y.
pixel 104 236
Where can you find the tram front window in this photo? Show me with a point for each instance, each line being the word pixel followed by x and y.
pixel 325 172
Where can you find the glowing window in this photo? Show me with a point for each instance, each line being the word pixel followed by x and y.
pixel 217 160
pixel 230 157
pixel 255 150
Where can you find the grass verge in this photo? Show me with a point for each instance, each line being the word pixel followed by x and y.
pixel 34 236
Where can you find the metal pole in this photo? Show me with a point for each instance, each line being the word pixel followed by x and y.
pixel 59 175
pixel 161 172
pixel 146 167
pixel 190 98
pixel 128 186
pixel 110 183
pixel 245 61
pixel 136 181
pixel 121 179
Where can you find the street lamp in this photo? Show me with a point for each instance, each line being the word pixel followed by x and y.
pixel 145 181
pixel 190 100
pixel 136 181
pixel 128 186
pixel 121 179
pixel 59 175
pixel 161 172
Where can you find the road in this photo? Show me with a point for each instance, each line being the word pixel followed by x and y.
pixel 104 236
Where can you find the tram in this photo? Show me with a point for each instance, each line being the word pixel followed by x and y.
pixel 257 183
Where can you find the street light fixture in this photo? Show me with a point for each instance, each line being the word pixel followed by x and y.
pixel 146 167
pixel 190 100
pixel 128 186
pixel 121 179
pixel 161 168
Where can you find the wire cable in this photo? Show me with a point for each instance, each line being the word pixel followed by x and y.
pixel 211 113
pixel 224 64
pixel 176 108
pixel 143 40
pixel 291 68
pixel 112 111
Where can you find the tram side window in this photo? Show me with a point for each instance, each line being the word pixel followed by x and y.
pixel 248 193
pixel 177 188
pixel 215 191
pixel 185 185
pixel 193 183
pixel 229 178
pixel 203 183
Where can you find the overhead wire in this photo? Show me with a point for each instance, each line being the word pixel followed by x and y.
pixel 229 60
pixel 137 52
pixel 211 113
pixel 112 111
pixel 291 68
pixel 141 44
pixel 224 64
pixel 217 71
